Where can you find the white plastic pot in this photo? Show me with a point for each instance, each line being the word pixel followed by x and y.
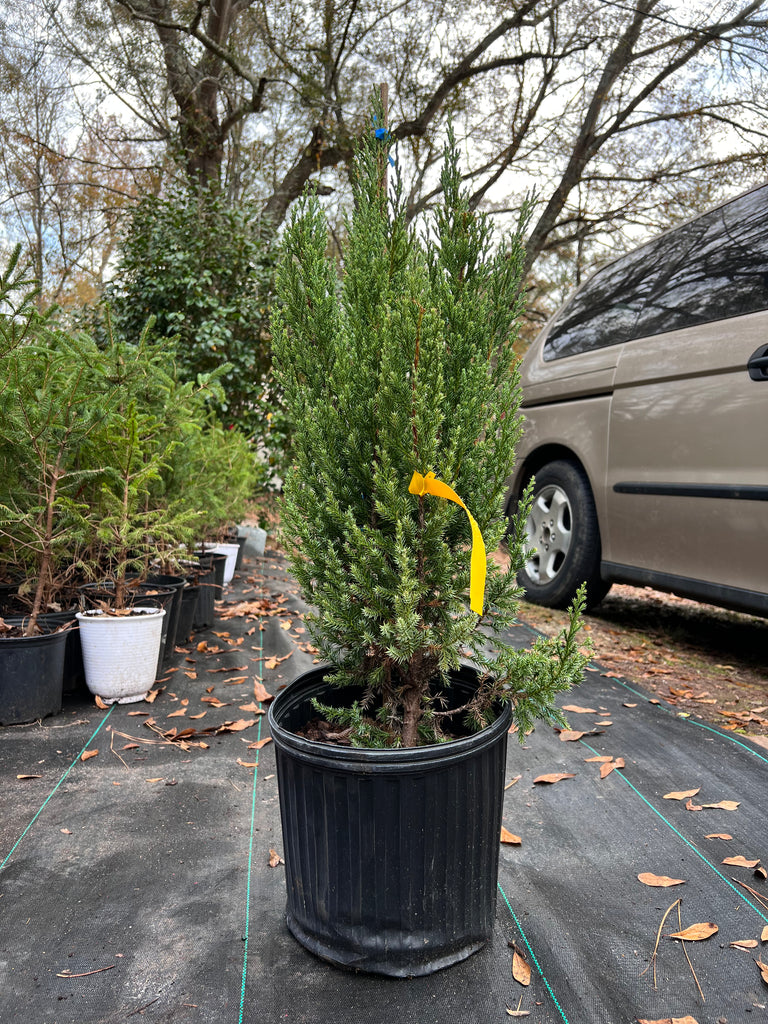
pixel 231 551
pixel 120 652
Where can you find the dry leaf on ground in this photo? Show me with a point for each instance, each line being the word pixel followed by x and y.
pixel 29 776
pixel 579 710
pixel 743 943
pixel 521 970
pixel 681 794
pixel 259 743
pixel 570 735
pixel 696 932
pixel 724 805
pixel 603 759
pixel 661 881
pixel 764 934
pixel 669 1020
pixel 275 858
pixel 261 693
pixel 763 968
pixel 255 764
pixel 510 837
pixel 86 754
pixel 608 766
pixel 253 707
pixel 718 835
pixel 554 777
pixel 741 862
pixel 100 703
pixel 513 781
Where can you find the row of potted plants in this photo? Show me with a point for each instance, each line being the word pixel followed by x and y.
pixel 111 469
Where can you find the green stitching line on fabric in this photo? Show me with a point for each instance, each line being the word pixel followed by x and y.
pixel 250 854
pixel 687 842
pixel 689 721
pixel 533 955
pixel 66 773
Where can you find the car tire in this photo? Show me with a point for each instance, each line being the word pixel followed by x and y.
pixel 562 528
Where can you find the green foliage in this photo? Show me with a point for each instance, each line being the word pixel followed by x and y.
pixel 93 466
pixel 199 267
pixel 407 367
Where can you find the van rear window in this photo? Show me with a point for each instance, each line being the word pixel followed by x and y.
pixel 712 268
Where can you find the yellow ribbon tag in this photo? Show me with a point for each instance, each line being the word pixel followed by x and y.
pixel 429 484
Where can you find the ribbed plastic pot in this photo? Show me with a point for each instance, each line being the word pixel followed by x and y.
pixel 205 611
pixel 391 856
pixel 176 585
pixel 241 542
pixel 73 672
pixel 189 596
pixel 231 551
pixel 120 652
pixel 31 677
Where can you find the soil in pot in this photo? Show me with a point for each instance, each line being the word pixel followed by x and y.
pixel 391 855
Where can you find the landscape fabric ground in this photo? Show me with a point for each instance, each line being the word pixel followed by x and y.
pixel 136 884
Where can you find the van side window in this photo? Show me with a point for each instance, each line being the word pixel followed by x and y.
pixel 721 269
pixel 712 268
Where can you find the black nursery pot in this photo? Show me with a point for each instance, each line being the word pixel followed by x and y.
pixel 31 677
pixel 391 856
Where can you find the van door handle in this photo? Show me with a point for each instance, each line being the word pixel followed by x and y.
pixel 758 364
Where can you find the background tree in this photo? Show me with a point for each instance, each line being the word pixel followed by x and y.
pixel 612 112
pixel 199 267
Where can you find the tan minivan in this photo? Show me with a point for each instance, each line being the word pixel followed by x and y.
pixel 646 421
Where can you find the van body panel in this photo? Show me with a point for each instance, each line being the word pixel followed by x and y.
pixel 686 417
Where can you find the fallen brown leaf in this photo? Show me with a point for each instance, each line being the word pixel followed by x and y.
pixel 668 1020
pixel 696 932
pixel 724 805
pixel 554 777
pixel 68 832
pixel 570 735
pixel 151 696
pixel 259 743
pixel 662 881
pixel 236 681
pixel 177 714
pixel 261 693
pixel 604 760
pixel 743 943
pixel 691 806
pixel 763 968
pixel 201 715
pixel 87 754
pixel 159 779
pixel 718 835
pixel 253 707
pixel 761 872
pixel 741 862
pixel 579 710
pixel 100 703
pixel 238 726
pixel 764 934
pixel 521 970
pixel 130 746
pixel 275 858
pixel 255 764
pixel 29 776
pixel 681 794
pixel 510 837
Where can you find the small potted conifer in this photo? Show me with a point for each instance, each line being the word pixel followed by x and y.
pixel 400 381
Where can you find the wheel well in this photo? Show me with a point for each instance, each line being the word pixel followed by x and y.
pixel 534 462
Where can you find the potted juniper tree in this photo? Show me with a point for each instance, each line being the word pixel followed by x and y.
pixel 400 382
pixel 130 451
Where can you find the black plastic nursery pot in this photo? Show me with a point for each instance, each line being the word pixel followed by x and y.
pixel 31 677
pixel 187 611
pixel 205 611
pixel 391 855
pixel 74 671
